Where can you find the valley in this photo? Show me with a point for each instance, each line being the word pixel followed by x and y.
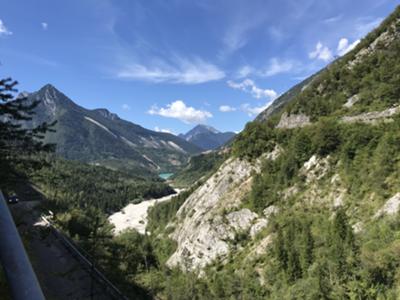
pixel 303 203
pixel 134 216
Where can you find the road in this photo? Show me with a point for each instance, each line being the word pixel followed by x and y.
pixel 61 276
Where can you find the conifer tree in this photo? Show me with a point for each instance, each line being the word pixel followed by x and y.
pixel 17 142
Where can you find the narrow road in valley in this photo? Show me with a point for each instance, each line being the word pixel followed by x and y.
pixel 135 215
pixel 60 275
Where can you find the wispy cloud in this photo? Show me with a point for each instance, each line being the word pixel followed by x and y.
pixel 333 19
pixel 235 39
pixel 179 110
pixel 367 24
pixel 181 71
pixel 244 71
pixel 125 107
pixel 277 66
pixel 254 110
pixel 321 52
pixel 244 19
pixel 4 30
pixel 344 46
pixel 250 87
pixel 226 108
pixel 274 67
pixel 44 25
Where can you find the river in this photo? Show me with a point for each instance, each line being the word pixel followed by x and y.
pixel 135 215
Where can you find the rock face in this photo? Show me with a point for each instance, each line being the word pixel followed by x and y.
pixel 351 101
pixel 209 219
pixel 391 207
pixel 384 39
pixel 372 117
pixel 293 121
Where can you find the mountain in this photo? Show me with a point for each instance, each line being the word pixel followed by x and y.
pixel 101 137
pixel 207 137
pixel 307 205
pixel 285 98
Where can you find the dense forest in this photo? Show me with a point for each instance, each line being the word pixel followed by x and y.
pixel 199 167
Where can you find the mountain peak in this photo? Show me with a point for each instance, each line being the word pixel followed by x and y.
pixel 106 113
pixel 49 91
pixel 207 137
pixel 49 88
pixel 205 128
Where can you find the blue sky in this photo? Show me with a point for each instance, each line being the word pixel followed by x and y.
pixel 170 64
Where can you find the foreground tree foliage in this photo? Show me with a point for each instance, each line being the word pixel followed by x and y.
pixel 17 143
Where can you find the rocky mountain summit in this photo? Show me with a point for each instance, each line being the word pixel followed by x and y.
pixel 207 137
pixel 101 137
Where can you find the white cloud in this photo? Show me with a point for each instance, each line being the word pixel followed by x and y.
pixel 277 66
pixel 344 46
pixel 321 52
pixel 126 107
pixel 244 71
pixel 249 86
pixel 254 110
pixel 3 29
pixel 179 110
pixel 44 25
pixel 226 108
pixel 165 130
pixel 182 71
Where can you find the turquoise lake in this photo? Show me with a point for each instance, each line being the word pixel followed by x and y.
pixel 165 175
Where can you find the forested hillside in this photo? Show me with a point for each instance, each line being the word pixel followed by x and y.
pixel 199 167
pixel 320 219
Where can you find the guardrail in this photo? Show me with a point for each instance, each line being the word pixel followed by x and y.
pixel 17 267
pixel 112 290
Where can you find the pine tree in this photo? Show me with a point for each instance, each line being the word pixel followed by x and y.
pixel 280 250
pixel 293 261
pixel 307 248
pixel 18 143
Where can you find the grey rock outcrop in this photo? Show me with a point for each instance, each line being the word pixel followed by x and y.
pixel 351 101
pixel 204 227
pixel 293 121
pixel 391 207
pixel 385 38
pixel 372 117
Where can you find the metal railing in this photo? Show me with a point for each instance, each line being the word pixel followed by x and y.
pixel 17 267
pixel 84 258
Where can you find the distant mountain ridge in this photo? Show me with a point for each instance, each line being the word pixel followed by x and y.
pixel 207 137
pixel 99 136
